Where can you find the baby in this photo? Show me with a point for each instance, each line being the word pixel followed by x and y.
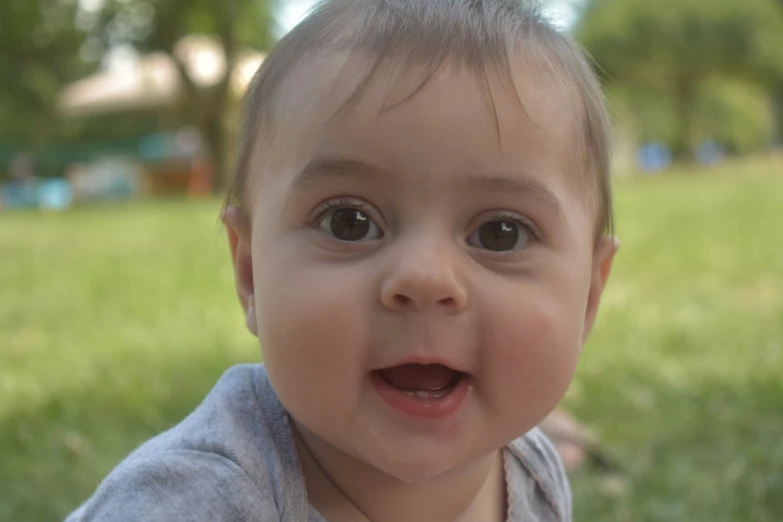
pixel 421 229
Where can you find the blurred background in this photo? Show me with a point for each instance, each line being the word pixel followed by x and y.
pixel 117 309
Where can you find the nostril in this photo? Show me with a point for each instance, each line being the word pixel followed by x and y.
pixel 448 301
pixel 402 300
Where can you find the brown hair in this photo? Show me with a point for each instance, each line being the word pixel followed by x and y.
pixel 484 35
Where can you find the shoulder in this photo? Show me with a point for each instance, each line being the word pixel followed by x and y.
pixel 232 456
pixel 175 485
pixel 537 481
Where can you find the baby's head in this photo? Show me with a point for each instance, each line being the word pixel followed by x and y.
pixel 421 226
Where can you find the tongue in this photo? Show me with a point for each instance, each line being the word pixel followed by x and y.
pixel 423 377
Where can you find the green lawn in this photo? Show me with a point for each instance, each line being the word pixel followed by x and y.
pixel 114 323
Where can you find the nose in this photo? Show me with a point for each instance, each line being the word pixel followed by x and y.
pixel 424 276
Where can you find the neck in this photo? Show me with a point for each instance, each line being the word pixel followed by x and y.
pixel 344 489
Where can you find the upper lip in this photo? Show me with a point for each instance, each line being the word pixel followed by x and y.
pixel 424 359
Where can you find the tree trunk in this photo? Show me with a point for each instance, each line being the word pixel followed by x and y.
pixel 215 138
pixel 777 100
pixel 686 94
pixel 216 128
pixel 209 107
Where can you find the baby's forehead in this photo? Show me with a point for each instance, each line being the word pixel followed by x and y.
pixel 346 77
pixel 336 87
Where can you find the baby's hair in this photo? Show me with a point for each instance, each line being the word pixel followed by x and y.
pixel 486 36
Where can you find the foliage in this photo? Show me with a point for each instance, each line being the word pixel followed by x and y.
pixel 674 47
pixel 125 333
pixel 50 43
pixel 158 25
pixel 652 117
pixel 40 44
pixel 737 114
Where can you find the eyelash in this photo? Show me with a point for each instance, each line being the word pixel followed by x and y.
pixel 523 223
pixel 336 204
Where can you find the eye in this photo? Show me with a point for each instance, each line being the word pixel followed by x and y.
pixel 501 235
pixel 348 224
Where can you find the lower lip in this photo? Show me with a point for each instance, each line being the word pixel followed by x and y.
pixel 432 408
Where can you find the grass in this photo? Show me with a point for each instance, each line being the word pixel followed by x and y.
pixel 115 321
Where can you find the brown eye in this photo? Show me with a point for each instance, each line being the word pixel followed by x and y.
pixel 499 235
pixel 349 224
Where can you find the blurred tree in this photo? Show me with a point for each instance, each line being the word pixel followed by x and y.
pixel 40 45
pixel 158 25
pixel 738 114
pixel 677 46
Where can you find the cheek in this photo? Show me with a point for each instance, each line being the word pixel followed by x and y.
pixel 312 332
pixel 532 347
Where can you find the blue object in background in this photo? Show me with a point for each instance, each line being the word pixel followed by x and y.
pixel 654 157
pixel 20 195
pixel 154 147
pixel 55 194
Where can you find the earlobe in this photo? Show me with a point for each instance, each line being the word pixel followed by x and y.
pixel 603 258
pixel 239 241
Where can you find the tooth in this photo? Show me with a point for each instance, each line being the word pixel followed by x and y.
pixel 421 394
pixel 409 393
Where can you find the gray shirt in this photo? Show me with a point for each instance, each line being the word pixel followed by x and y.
pixel 234 459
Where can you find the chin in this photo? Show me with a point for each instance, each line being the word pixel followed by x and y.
pixel 414 468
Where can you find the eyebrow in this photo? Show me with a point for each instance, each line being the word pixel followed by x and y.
pixel 524 187
pixel 327 168
pixel 324 169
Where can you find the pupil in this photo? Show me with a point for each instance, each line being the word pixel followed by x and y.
pixel 498 235
pixel 349 224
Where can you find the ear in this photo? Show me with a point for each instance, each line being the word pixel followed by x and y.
pixel 239 234
pixel 603 256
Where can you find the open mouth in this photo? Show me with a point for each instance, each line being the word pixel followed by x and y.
pixel 425 381
pixel 422 390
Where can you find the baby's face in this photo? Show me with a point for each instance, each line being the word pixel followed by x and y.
pixel 421 286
